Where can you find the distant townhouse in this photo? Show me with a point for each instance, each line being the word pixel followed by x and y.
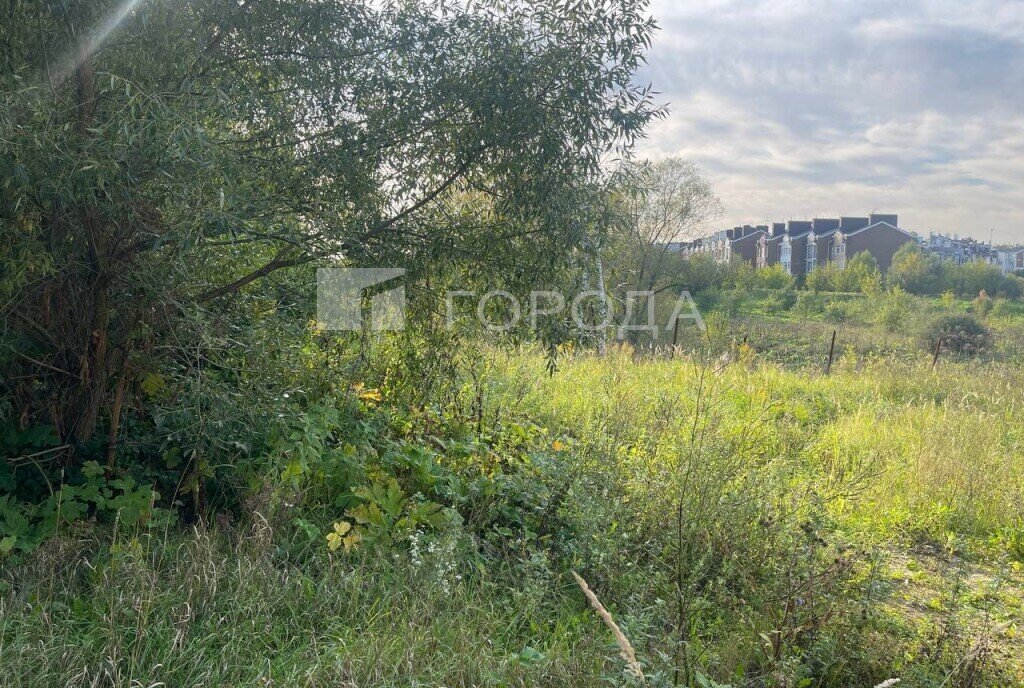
pixel 881 239
pixel 1010 260
pixel 793 249
pixel 957 250
pixel 744 244
pixel 769 245
pixel 739 244
pixel 819 243
pixel 802 246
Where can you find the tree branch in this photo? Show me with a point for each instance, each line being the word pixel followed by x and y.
pixel 279 262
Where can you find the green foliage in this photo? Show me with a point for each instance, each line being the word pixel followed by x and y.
pixel 809 304
pixel 701 273
pixel 971 279
pixel 385 515
pixel 163 204
pixel 920 272
pixel 836 311
pixel 775 277
pixel 915 270
pixel 26 525
pixel 895 309
pixel 982 305
pixel 860 274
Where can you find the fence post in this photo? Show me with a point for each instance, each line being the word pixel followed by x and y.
pixel 831 353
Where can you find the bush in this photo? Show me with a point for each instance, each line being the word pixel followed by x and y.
pixel 895 310
pixel 915 270
pixel 836 311
pixel 1002 308
pixel 963 335
pixel 982 305
pixel 780 301
pixel 809 303
pixel 774 277
pixel 824 278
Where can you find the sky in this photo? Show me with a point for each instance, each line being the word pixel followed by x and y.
pixel 819 108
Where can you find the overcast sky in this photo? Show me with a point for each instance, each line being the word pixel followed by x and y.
pixel 804 108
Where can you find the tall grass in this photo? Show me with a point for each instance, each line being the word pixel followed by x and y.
pixel 741 521
pixel 205 609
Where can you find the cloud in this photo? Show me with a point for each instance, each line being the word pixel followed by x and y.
pixel 797 108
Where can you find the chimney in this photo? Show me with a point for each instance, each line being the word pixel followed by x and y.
pixel 878 217
pixel 852 224
pixel 820 225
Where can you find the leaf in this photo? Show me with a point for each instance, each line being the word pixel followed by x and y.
pixel 152 383
pixel 352 541
pixel 705 682
pixel 371 395
pixel 531 654
pixel 333 541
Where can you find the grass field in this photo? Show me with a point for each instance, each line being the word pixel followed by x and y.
pixel 747 521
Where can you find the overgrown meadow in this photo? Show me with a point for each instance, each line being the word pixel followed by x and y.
pixel 199 486
pixel 744 524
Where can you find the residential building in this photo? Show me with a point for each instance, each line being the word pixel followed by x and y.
pixel 769 245
pixel 744 244
pixel 802 246
pixel 819 243
pixel 793 249
pixel 958 250
pixel 880 239
pixel 1010 260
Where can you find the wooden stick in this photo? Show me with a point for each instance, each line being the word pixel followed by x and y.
pixel 831 353
pixel 938 348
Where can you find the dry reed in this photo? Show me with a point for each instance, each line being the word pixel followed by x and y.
pixel 626 649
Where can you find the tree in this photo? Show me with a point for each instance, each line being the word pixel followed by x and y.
pixel 163 157
pixel 914 270
pixel 660 203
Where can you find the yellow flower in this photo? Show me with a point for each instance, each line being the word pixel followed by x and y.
pixel 558 445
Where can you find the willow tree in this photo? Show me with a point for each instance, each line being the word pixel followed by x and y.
pixel 161 157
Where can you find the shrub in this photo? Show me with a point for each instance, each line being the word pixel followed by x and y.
pixel 895 309
pixel 729 303
pixel 809 303
pixel 780 301
pixel 1001 308
pixel 823 278
pixel 915 270
pixel 775 277
pixel 960 334
pixel 982 305
pixel 836 311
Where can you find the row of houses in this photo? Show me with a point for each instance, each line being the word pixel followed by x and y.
pixel 801 246
pixel 963 250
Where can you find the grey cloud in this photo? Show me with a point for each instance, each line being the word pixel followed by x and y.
pixel 847 101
